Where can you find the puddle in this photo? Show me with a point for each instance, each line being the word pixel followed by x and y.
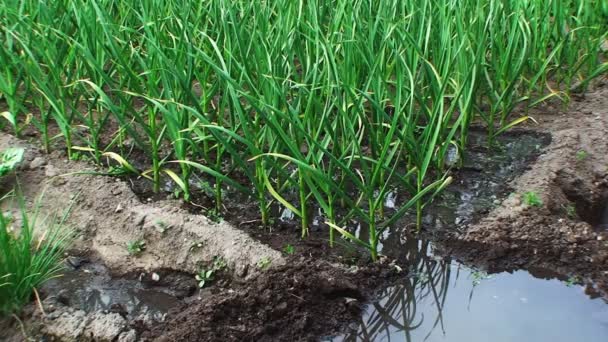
pixel 442 300
pixel 91 288
pixel 482 180
pixel 479 185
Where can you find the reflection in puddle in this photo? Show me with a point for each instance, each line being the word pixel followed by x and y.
pixel 441 300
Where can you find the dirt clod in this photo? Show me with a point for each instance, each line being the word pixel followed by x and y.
pixel 299 302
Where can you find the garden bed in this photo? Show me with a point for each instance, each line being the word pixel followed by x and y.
pixel 269 294
pixel 261 170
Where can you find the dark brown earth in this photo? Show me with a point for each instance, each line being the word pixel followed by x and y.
pixel 301 301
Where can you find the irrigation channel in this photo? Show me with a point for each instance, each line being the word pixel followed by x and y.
pixel 440 300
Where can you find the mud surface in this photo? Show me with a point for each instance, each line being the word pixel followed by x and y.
pixel 299 302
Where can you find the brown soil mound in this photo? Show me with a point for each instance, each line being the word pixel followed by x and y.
pixel 299 302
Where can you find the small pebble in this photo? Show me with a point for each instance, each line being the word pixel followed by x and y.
pixel 37 163
pixel 51 171
pixel 155 276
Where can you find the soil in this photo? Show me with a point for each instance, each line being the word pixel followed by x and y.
pixel 269 296
pixel 106 215
pixel 301 301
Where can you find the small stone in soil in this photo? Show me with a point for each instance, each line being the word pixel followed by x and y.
pixel 37 163
pixel 76 262
pixel 50 171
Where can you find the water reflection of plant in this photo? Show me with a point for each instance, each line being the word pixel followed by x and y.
pixel 428 279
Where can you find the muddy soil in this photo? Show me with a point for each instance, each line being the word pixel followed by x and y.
pixel 301 301
pixel 316 292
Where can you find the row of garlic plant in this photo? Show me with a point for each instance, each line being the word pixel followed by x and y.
pixel 328 104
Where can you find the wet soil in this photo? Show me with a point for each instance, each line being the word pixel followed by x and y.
pixel 297 302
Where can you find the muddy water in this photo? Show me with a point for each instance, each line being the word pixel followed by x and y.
pixel 446 301
pixel 90 287
pixel 482 180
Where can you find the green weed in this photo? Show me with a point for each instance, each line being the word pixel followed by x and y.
pixel 264 263
pixel 289 249
pixel 30 254
pixel 532 199
pixel 136 247
pixel 205 276
pixel 571 211
pixel 581 155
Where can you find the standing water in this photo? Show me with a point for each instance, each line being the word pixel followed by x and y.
pixel 441 300
pixel 449 302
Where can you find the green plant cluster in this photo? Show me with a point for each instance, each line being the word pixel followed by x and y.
pixel 136 247
pixel 319 103
pixel 10 159
pixel 205 276
pixel 29 256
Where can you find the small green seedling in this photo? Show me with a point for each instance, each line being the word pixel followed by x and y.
pixel 581 155
pixel 214 216
pixel 136 247
pixel 161 226
pixel 573 280
pixel 177 193
pixel 10 159
pixel 218 263
pixel 570 211
pixel 289 249
pixel 532 199
pixel 79 156
pixel 204 277
pixel 264 263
